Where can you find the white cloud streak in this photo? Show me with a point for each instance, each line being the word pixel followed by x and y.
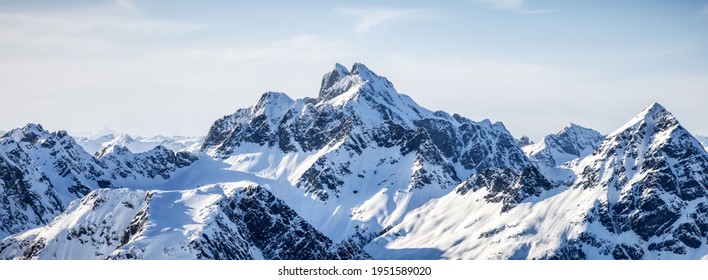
pixel 81 31
pixel 535 12
pixel 368 19
pixel 503 4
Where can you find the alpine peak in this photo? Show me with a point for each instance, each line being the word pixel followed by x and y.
pixel 33 127
pixel 653 115
pixel 340 69
pixel 360 68
pixel 654 110
pixel 329 80
pixel 340 80
pixel 571 126
pixel 272 96
pixel 29 133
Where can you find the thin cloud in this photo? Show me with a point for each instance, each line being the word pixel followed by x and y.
pixel 503 4
pixel 81 30
pixel 516 6
pixel 704 11
pixel 534 12
pixel 371 18
pixel 127 5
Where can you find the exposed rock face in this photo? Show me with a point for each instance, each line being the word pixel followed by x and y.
pixel 42 172
pixel 572 142
pixel 654 173
pixel 229 222
pixel 362 140
pixel 524 141
pixel 360 171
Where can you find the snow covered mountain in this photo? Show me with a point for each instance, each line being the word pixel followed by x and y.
pixel 359 172
pixel 93 144
pixel 364 154
pixel 653 173
pixel 524 141
pixel 42 172
pixel 640 195
pixel 572 142
pixel 553 156
pixel 139 144
pixel 231 221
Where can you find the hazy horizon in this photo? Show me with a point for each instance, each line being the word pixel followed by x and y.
pixel 172 67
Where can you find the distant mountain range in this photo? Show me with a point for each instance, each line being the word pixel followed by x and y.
pixel 100 144
pixel 358 172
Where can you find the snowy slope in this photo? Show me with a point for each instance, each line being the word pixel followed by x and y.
pixel 231 221
pixel 139 144
pixel 641 195
pixel 93 144
pixel 42 172
pixel 360 166
pixel 572 142
pixel 554 154
pixel 363 153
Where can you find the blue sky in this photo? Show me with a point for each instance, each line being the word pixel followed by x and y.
pixel 173 67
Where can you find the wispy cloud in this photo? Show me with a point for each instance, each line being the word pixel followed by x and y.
pixel 515 6
pixel 127 5
pixel 82 30
pixel 370 18
pixel 503 4
pixel 704 11
pixel 542 11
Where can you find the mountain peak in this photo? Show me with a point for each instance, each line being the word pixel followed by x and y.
pixel 571 142
pixel 339 81
pixel 341 69
pixel 650 115
pixel 654 110
pixel 272 96
pixel 328 88
pixel 125 138
pixel 359 68
pixel 576 129
pixel 32 127
pixel 365 74
pixel 29 133
pixel 524 141
pixel 572 126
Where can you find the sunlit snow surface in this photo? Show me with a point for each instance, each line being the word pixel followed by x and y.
pixel 464 227
pixel 138 144
pixel 351 183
